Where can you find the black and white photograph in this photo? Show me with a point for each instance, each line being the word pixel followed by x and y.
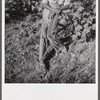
pixel 50 41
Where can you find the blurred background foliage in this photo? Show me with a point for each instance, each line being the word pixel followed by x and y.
pixel 17 9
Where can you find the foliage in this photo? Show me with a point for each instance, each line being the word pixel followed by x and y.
pixel 17 9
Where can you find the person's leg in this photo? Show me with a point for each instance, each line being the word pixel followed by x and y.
pixel 45 48
pixel 43 40
pixel 52 33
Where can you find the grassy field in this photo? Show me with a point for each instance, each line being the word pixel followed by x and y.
pixel 76 65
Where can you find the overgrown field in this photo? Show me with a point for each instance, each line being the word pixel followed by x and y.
pixel 74 65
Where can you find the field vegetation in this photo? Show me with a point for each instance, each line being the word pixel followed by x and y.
pixel 22 35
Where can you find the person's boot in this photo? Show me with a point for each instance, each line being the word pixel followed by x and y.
pixel 43 67
pixel 49 49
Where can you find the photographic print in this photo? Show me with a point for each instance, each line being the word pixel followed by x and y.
pixel 50 41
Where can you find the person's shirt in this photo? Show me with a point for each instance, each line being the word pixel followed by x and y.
pixel 54 4
pixel 61 2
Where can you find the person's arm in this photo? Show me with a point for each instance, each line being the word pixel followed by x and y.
pixel 47 6
pixel 64 7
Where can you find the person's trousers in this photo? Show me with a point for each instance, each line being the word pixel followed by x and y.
pixel 49 36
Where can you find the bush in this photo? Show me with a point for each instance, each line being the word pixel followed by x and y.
pixel 17 9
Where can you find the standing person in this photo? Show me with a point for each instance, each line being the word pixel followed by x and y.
pixel 52 9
